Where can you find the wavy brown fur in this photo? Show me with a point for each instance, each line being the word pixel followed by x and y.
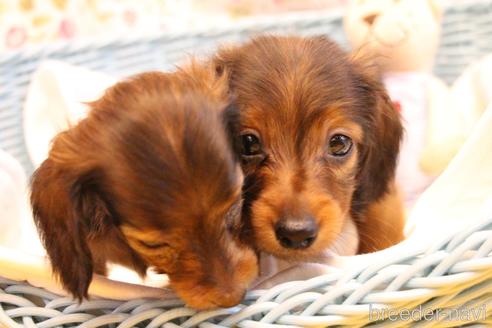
pixel 295 93
pixel 148 179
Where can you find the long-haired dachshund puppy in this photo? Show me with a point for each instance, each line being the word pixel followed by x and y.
pixel 319 140
pixel 148 179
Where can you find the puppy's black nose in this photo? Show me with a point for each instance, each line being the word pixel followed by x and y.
pixel 296 233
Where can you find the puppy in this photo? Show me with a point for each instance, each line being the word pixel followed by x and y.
pixel 148 179
pixel 319 140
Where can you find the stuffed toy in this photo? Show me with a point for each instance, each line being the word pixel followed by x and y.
pixel 402 38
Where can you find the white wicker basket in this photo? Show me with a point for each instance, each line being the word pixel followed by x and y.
pixel 441 276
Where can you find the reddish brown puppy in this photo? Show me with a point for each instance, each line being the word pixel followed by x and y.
pixel 319 141
pixel 148 179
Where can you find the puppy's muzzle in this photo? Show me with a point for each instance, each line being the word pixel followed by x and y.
pixel 296 233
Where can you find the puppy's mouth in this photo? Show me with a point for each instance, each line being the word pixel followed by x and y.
pixel 300 254
pixel 394 38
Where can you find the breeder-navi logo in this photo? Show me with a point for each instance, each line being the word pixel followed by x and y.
pixel 464 314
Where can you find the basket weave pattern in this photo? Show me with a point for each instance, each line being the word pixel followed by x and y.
pixel 455 275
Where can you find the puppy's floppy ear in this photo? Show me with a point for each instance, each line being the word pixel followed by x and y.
pixel 67 208
pixel 383 135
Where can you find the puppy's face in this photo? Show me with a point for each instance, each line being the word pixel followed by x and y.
pixel 151 165
pixel 308 141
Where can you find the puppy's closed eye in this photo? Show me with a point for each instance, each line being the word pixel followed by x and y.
pixel 153 244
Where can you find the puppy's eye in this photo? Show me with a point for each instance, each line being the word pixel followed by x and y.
pixel 340 145
pixel 251 145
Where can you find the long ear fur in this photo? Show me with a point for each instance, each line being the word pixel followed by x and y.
pixel 67 209
pixel 379 154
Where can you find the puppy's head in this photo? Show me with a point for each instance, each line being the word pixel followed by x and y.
pixel 318 138
pixel 149 173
